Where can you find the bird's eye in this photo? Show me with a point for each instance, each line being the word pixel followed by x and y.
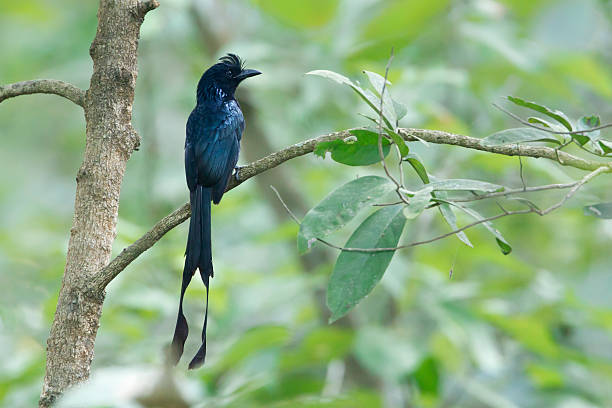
pixel 229 74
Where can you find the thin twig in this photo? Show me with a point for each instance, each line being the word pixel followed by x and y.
pixel 569 195
pixel 505 213
pixel 504 193
pixel 296 219
pixel 398 185
pixel 516 191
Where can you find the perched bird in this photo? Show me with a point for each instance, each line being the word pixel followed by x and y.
pixel 214 130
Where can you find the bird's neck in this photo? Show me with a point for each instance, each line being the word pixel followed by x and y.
pixel 210 94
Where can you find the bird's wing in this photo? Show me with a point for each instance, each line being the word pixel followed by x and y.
pixel 212 146
pixel 219 188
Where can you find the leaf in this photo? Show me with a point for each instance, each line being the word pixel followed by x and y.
pixel 467 185
pixel 418 202
pixel 501 241
pixel 388 111
pixel 518 135
pixel 356 273
pixel 605 146
pixel 375 120
pixel 366 94
pixel 400 109
pixel 427 376
pixel 601 210
pixel 417 165
pixel 555 114
pixel 586 123
pixel 451 219
pixel 399 141
pixel 545 123
pixel 362 150
pixel 334 76
pixel 339 207
pixel 376 80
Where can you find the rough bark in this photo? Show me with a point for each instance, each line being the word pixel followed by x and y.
pixel 110 141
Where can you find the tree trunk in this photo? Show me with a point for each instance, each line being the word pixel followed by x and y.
pixel 111 139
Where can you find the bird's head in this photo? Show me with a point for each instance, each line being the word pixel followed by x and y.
pixel 225 75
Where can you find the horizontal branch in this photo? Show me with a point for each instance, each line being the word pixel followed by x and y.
pixel 46 86
pixel 563 158
pixel 108 273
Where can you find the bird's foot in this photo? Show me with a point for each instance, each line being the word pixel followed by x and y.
pixel 237 172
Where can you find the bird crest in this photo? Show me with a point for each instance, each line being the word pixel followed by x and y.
pixel 233 61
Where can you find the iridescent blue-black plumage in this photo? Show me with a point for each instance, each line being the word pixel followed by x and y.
pixel 212 145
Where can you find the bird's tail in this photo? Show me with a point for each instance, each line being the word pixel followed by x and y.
pixel 198 255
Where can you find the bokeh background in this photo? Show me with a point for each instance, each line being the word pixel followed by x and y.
pixel 531 329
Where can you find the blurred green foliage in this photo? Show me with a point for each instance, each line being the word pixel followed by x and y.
pixel 530 329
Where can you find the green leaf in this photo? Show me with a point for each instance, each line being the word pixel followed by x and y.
pixel 545 123
pixel 360 150
pixel 451 219
pixel 418 202
pixel 377 81
pixel 586 123
pixel 399 141
pixel 374 120
pixel 518 135
pixel 400 109
pixel 339 207
pixel 356 273
pixel 388 112
pixel 601 210
pixel 366 94
pixel 427 376
pixel 501 241
pixel 555 114
pixel 466 185
pixel 606 146
pixel 417 165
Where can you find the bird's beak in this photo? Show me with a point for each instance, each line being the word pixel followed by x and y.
pixel 247 73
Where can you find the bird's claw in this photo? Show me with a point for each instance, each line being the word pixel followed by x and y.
pixel 236 172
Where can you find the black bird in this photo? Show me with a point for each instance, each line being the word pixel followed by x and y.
pixel 214 130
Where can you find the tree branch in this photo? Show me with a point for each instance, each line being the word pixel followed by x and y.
pixel 46 86
pixel 129 254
